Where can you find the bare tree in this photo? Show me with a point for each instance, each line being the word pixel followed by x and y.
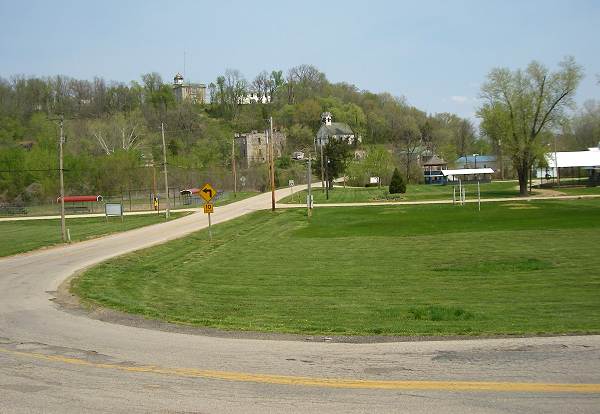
pixel 523 104
pixel 261 85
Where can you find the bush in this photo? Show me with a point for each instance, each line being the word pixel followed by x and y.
pixel 397 184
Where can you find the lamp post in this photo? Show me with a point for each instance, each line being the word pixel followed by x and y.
pixel 475 157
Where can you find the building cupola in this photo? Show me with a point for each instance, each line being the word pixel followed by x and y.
pixel 326 118
pixel 178 79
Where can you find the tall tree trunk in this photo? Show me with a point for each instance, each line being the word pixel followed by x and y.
pixel 522 172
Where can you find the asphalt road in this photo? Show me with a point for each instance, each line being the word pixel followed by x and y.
pixel 59 362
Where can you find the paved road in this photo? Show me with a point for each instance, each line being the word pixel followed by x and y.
pixel 60 362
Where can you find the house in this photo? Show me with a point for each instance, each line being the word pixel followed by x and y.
pixel 191 92
pixel 253 149
pixel 254 97
pixel 432 169
pixel 334 130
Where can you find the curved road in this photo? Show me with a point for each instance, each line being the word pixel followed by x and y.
pixel 56 361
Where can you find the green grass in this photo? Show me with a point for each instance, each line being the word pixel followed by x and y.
pixel 513 268
pixel 414 192
pixel 26 235
pixel 578 190
pixel 421 192
pixel 228 198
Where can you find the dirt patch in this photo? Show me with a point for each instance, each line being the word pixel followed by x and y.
pixel 544 192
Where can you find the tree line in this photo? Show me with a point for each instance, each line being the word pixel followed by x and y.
pixel 113 128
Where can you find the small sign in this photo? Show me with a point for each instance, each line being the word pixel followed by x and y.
pixel 291 183
pixel 114 209
pixel 374 180
pixel 209 208
pixel 243 180
pixel 208 192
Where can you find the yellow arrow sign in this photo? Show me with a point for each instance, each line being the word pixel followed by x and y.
pixel 208 192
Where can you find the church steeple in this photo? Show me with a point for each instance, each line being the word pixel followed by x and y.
pixel 326 118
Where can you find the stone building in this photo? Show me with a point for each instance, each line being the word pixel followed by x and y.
pixel 252 146
pixel 192 92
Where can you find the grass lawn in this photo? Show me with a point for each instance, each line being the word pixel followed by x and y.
pixel 227 197
pixel 26 235
pixel 578 190
pixel 527 267
pixel 414 192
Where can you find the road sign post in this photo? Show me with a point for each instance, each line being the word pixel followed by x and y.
pixel 208 193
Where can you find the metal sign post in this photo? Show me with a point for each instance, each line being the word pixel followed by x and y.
pixel 208 193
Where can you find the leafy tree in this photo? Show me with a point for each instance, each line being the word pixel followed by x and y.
pixel 337 155
pixel 397 184
pixel 378 162
pixel 299 138
pixel 521 105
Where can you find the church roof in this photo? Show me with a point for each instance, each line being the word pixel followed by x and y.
pixel 336 128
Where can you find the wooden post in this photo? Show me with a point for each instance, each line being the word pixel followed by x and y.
pixel 62 186
pixel 162 128
pixel 233 167
pixel 271 147
pixel 478 196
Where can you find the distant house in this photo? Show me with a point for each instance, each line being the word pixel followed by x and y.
pixel 334 130
pixel 253 149
pixel 191 92
pixel 254 97
pixel 432 169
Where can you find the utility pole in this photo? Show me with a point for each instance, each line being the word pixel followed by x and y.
pixel 322 172
pixel 327 178
pixel 272 164
pixel 308 180
pixel 233 166
pixel 63 231
pixel 162 128
pixel 154 197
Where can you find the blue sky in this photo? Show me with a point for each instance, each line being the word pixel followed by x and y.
pixel 435 53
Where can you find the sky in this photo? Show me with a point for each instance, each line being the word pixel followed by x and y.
pixel 434 53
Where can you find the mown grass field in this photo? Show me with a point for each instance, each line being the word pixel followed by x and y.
pixel 26 235
pixel 513 268
pixel 414 192
pixel 422 192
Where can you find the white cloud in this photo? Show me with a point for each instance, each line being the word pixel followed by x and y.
pixel 460 99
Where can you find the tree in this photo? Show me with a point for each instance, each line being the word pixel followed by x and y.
pixel 262 85
pixel 337 153
pixel 378 162
pixel 407 136
pixel 397 184
pixel 521 105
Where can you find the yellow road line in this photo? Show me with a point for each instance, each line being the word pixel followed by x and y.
pixel 326 382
